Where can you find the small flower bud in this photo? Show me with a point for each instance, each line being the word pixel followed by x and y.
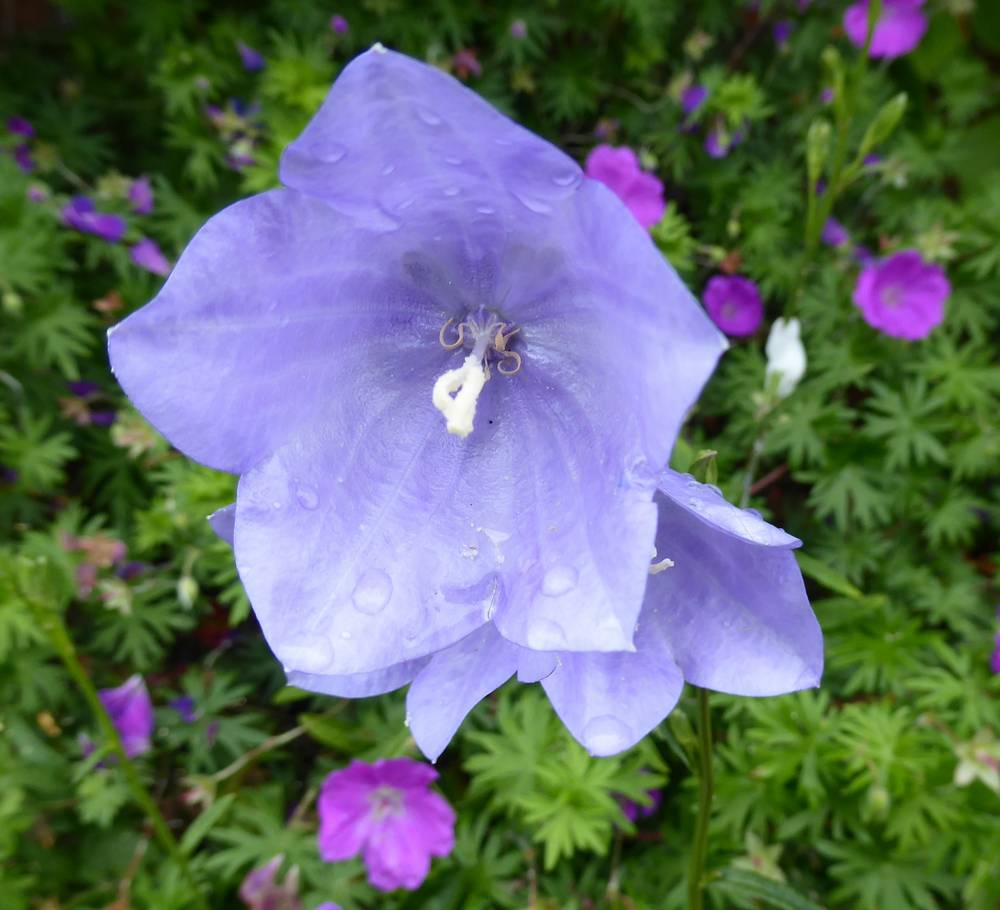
pixel 786 357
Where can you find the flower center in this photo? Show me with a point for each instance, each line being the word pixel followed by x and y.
pixel 386 802
pixel 892 296
pixel 456 392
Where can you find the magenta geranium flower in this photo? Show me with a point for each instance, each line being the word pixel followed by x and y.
pixel 131 711
pixel 387 813
pixel 619 169
pixel 898 31
pixel 734 303
pixel 79 213
pixel 902 295
pixel 147 255
pixel 450 370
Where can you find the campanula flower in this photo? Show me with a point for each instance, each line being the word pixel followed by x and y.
pixel 450 371
pixel 131 711
pixel 387 813
pixel 735 304
pixel 902 295
pixel 79 213
pixel 619 169
pixel 140 196
pixel 898 31
pixel 147 255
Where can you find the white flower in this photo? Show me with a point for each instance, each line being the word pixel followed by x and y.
pixel 786 357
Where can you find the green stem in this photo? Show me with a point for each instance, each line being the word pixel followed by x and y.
pixel 59 636
pixel 706 788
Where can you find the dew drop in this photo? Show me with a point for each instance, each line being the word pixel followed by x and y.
pixel 559 580
pixel 545 635
pixel 309 655
pixel 307 497
pixel 451 191
pixel 332 153
pixel 606 735
pixel 372 591
pixel 566 178
pixel 429 117
pixel 534 205
pixel 388 169
pixel 276 504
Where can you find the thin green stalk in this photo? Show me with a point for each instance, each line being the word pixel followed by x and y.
pixel 706 789
pixel 59 636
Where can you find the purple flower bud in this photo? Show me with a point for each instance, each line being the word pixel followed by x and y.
pixel 633 811
pixel 387 812
pixel 995 658
pixel 184 706
pixel 902 295
pixel 826 96
pixel 619 170
pixel 20 127
pixel 79 214
pixel 693 97
pixel 37 193
pixel 782 31
pixel 834 233
pixel 872 159
pixel 140 196
pixel 146 254
pixel 260 889
pixel 23 159
pixel 734 303
pixel 898 31
pixel 131 711
pixel 83 387
pixel 252 60
pixel 339 24
pixel 102 418
pixel 519 29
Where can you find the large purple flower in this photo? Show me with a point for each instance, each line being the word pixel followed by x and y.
pixel 902 295
pixel 898 31
pixel 387 813
pixel 131 711
pixel 450 371
pixel 619 169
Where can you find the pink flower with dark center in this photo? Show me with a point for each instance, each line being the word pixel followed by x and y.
pixel 734 303
pixel 619 170
pixel 131 711
pixel 387 813
pixel 902 295
pixel 898 31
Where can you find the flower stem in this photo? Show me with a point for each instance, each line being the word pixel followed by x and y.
pixel 54 627
pixel 706 788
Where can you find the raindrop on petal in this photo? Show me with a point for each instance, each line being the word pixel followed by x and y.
pixel 372 592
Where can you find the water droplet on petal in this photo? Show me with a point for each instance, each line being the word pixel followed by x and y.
pixel 559 580
pixel 451 159
pixel 605 735
pixel 545 635
pixel 533 205
pixel 307 497
pixel 566 178
pixel 485 209
pixel 372 592
pixel 388 169
pixel 451 191
pixel 276 504
pixel 308 654
pixel 332 153
pixel 429 117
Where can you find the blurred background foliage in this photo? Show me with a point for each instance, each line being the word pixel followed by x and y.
pixel 880 790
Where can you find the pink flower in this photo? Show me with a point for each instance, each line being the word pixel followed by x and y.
pixel 902 295
pixel 734 303
pixel 898 31
pixel 388 813
pixel 619 170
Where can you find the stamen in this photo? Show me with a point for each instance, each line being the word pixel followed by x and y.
pixel 451 345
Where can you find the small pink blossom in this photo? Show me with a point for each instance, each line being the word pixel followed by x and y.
pixel 902 295
pixel 386 812
pixel 620 171
pixel 735 304
pixel 898 31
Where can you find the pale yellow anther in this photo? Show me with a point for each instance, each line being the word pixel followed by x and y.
pixel 466 383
